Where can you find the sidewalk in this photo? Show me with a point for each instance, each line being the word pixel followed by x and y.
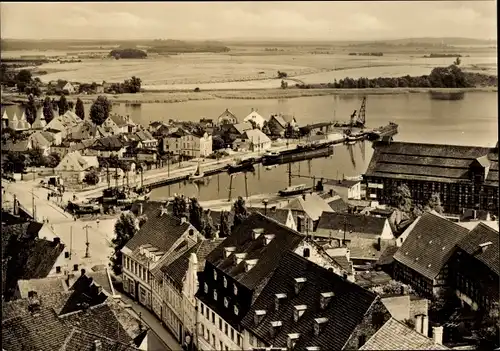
pixel 153 323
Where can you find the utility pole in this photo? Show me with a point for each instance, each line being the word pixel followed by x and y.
pixel 246 184
pixel 70 241
pixel 87 244
pixel 314 183
pixel 33 203
pixel 230 187
pixel 345 229
pixel 289 174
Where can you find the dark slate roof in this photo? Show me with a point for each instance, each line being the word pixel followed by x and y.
pixel 481 234
pixel 369 279
pixel 355 223
pixel 339 205
pixel 387 257
pixel 177 269
pixel 278 214
pixel 45 331
pixel 268 255
pixel 442 163
pixel 429 245
pixel 344 312
pixel 81 340
pixel 395 335
pixel 109 143
pixel 160 231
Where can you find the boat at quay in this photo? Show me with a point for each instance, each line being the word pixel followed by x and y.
pixel 299 153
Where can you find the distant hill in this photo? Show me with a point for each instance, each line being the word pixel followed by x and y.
pixel 428 42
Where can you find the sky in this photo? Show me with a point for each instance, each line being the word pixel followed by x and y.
pixel 348 20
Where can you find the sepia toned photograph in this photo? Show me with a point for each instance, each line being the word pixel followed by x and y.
pixel 253 176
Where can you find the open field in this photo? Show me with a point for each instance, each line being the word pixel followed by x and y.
pixel 251 71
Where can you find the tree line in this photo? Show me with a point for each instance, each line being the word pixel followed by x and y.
pixel 440 77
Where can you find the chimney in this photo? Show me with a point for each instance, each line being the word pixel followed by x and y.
pixel 259 315
pixel 33 302
pixel 298 311
pixel 437 333
pixel 275 328
pixel 183 219
pixel 268 238
pixel 97 345
pixel 318 324
pixel 419 325
pixel 56 241
pixel 228 251
pixel 140 211
pixel 82 271
pixel 303 196
pixel 256 233
pixel 474 213
pixel 299 284
pixel 425 325
pixel 239 257
pixel 485 245
pixel 277 300
pixel 325 298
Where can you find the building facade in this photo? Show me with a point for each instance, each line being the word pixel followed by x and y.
pixel 465 177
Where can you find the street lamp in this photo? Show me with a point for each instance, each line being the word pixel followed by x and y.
pixel 87 244
pixel 265 202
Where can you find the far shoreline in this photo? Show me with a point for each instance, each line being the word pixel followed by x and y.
pixel 176 96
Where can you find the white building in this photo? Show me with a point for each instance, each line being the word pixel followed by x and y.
pixel 256 118
pixel 254 140
pixel 346 189
pixel 73 166
pixel 119 124
pixel 185 143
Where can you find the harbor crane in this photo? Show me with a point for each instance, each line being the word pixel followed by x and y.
pixel 359 120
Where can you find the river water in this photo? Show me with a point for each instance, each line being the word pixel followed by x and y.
pixel 472 121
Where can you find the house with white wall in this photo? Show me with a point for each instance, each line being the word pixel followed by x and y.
pixel 256 118
pixel 185 143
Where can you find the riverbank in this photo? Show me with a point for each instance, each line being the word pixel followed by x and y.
pixel 249 94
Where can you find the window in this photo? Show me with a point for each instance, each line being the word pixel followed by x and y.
pixel 238 338
pixel 361 340
pixel 232 334
pixel 220 345
pixel 213 340
pixel 226 302
pixel 220 325
pixel 227 348
pixel 215 295
pixel 225 282
pixel 235 289
pixel 58 269
pixel 306 252
pixel 75 267
pixel 202 331
pixel 206 288
pixel 202 309
pixel 226 329
pixel 213 317
pixel 252 339
pixel 236 311
pixel 207 313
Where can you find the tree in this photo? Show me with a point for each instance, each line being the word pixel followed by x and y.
pixel 209 227
pixel 265 128
pixel 79 110
pixel 125 229
pixel 135 85
pixel 23 79
pixel 217 143
pixel 36 157
pixel 31 109
pixel 100 109
pixel 284 84
pixel 63 105
pixel 48 111
pixel 240 211
pixel 401 198
pixel 13 162
pixel 91 177
pixel 487 328
pixel 53 160
pixel 225 229
pixel 196 215
pixel 289 132
pixel 179 207
pixel 71 105
pixel 282 74
pixel 457 62
pixel 434 203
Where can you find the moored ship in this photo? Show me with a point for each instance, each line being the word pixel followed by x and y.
pixel 301 152
pixel 244 165
pixel 390 129
pixel 295 190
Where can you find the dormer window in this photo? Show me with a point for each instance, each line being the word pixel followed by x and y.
pixel 226 302
pixel 325 298
pixel 312 348
pixel 292 340
pixel 259 315
pixel 268 238
pixel 298 311
pixel 215 275
pixel 239 257
pixel 275 327
pixel 249 264
pixel 228 251
pixel 205 288
pixel 215 295
pixel 278 300
pixel 236 310
pixel 318 324
pixel 257 232
pixel 225 282
pixel 235 290
pixel 299 284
